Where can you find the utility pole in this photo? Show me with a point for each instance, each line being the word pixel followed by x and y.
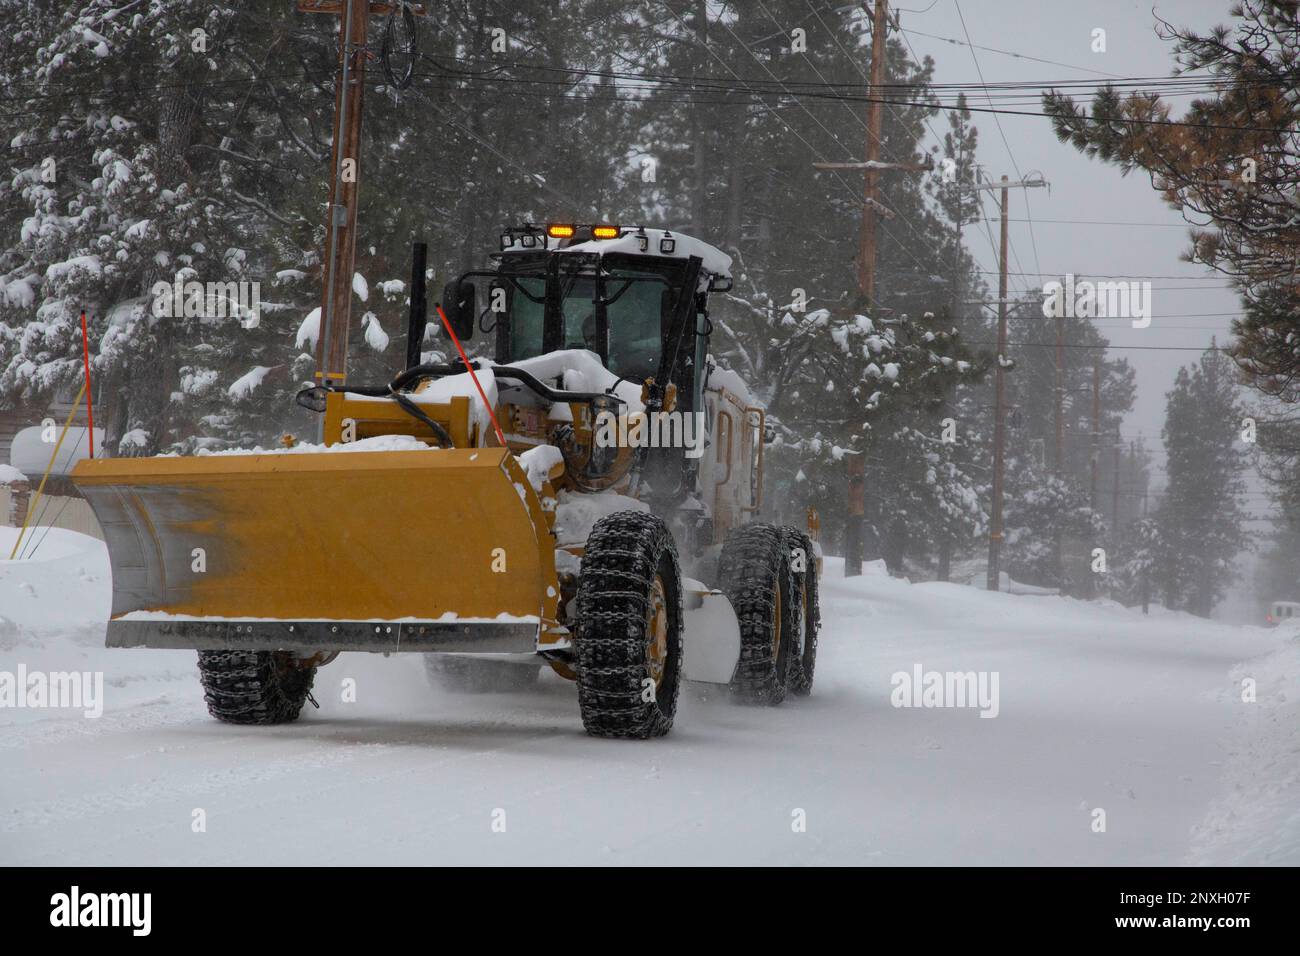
pixel 345 172
pixel 1060 393
pixel 945 543
pixel 875 121
pixel 1058 467
pixel 1096 430
pixel 855 463
pixel 866 264
pixel 1114 497
pixel 1000 384
pixel 999 419
pixel 341 212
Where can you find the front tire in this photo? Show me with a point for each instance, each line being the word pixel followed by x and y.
pixel 629 627
pixel 254 687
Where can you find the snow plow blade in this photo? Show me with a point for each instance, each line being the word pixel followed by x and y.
pixel 443 549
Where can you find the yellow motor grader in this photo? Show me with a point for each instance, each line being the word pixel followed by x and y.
pixel 613 538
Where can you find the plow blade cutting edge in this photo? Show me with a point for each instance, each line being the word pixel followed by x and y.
pixel 444 549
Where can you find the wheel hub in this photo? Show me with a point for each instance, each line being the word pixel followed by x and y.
pixel 657 631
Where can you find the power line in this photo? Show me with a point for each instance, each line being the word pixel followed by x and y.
pixel 1018 56
pixel 1120 222
pixel 857 66
pixel 783 122
pixel 1033 242
pixel 1110 348
pixel 847 92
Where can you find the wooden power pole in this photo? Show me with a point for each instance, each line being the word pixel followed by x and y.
pixel 345 173
pixel 875 121
pixel 1114 497
pixel 866 261
pixel 1096 432
pixel 999 406
pixel 345 162
pixel 1000 384
pixel 1060 393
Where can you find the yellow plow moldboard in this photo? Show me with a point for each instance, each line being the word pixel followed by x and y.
pixel 376 550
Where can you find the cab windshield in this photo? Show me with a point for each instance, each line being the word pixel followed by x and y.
pixel 637 311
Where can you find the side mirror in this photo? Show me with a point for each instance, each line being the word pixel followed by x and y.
pixel 313 398
pixel 460 302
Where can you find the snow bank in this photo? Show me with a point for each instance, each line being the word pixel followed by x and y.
pixel 31 454
pixel 9 474
pixel 63 587
pixel 1256 822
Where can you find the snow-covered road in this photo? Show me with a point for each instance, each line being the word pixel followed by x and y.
pixel 1098 708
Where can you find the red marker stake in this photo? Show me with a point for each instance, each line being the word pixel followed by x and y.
pixel 486 404
pixel 90 409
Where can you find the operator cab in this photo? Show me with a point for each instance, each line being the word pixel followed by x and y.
pixel 611 290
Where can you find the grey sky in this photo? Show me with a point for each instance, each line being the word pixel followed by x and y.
pixel 1084 189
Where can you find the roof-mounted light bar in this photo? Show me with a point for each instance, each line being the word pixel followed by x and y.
pixel 533 235
pixel 529 236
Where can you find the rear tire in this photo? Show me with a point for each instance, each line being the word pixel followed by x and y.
pixel 629 627
pixel 804 662
pixel 254 687
pixel 754 572
pixel 468 675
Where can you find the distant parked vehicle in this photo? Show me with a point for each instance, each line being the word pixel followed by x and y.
pixel 1280 612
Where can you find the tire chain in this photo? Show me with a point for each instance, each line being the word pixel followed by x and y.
pixel 253 687
pixel 802 667
pixel 623 548
pixel 753 559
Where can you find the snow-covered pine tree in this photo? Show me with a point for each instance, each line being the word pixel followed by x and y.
pixel 140 166
pixel 1142 552
pixel 1200 515
pixel 1041 511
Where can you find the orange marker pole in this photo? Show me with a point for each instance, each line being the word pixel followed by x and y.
pixel 464 358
